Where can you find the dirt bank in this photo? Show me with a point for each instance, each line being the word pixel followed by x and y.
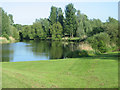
pixel 4 40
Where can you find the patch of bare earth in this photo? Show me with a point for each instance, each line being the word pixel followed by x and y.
pixel 85 46
pixel 11 38
pixel 4 40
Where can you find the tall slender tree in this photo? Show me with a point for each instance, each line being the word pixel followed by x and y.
pixel 11 19
pixel 80 28
pixel 70 22
pixel 53 15
pixel 60 18
pixel 56 31
pixel 5 24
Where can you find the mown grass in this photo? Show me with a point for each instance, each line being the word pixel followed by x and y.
pixel 88 72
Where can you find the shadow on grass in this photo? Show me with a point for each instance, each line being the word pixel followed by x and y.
pixel 108 56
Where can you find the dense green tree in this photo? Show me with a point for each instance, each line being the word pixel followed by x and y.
pixel 11 19
pixel 86 24
pixel 70 21
pixel 60 16
pixel 31 33
pixel 5 24
pixel 96 27
pixel 18 26
pixel 80 28
pixel 53 15
pixel 96 23
pixel 45 26
pixel 56 31
pixel 87 27
pixel 111 27
pixel 39 32
pixel 99 41
pixel 96 30
pixel 25 32
pixel 102 46
pixel 14 32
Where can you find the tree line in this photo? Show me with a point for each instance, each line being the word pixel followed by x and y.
pixel 71 23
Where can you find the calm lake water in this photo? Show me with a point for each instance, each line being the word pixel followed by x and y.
pixel 36 50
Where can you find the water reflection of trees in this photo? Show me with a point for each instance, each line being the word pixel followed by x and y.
pixel 7 53
pixel 49 49
pixel 39 48
pixel 52 49
pixel 56 50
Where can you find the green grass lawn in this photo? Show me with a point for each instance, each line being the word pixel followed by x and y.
pixel 88 72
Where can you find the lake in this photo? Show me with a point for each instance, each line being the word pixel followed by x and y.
pixel 37 50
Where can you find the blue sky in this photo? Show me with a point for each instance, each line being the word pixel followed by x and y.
pixel 27 12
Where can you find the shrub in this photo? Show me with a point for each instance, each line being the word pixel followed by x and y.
pixel 97 52
pixel 99 42
pixel 6 36
pixel 102 47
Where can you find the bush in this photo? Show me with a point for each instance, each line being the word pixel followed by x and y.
pixel 102 47
pixel 97 52
pixel 113 48
pixel 99 42
pixel 6 36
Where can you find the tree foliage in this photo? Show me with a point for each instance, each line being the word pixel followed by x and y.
pixel 53 15
pixel 5 23
pixel 56 31
pixel 70 20
pixel 7 26
pixel 80 28
pixel 111 27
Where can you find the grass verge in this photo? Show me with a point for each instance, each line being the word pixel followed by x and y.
pixel 88 72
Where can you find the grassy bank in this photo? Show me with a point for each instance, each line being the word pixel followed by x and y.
pixel 88 72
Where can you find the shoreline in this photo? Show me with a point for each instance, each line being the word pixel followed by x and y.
pixel 3 40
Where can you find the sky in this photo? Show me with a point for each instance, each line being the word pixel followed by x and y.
pixel 25 13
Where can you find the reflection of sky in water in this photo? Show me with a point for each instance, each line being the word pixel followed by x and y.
pixel 22 52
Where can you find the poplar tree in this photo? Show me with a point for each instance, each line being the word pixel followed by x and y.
pixel 5 24
pixel 53 15
pixel 80 28
pixel 60 16
pixel 56 31
pixel 70 22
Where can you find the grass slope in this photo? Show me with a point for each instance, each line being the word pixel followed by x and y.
pixel 88 72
